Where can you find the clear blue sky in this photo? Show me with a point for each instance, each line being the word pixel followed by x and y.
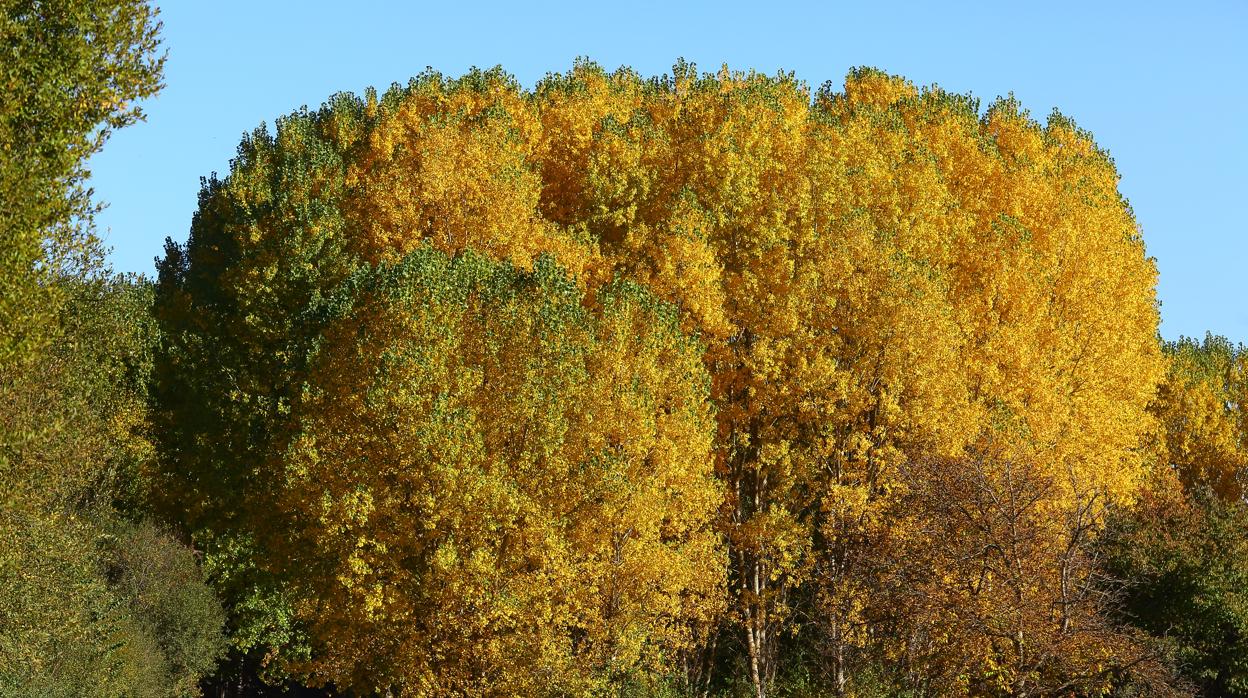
pixel 1161 85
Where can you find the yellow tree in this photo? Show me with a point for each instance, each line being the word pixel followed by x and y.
pixel 451 162
pixel 684 185
pixel 874 273
pixel 831 345
pixel 1200 410
pixel 486 484
pixel 492 490
pixel 303 208
pixel 1035 261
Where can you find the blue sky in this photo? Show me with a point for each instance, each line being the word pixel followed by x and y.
pixel 1161 85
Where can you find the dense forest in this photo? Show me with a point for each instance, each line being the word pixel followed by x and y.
pixel 705 384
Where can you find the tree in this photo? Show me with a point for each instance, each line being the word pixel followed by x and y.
pixel 1180 551
pixel 73 344
pixel 993 589
pixel 93 602
pixel 1183 562
pixel 863 300
pixel 876 275
pixel 78 410
pixel 1200 408
pixel 72 70
pixel 484 487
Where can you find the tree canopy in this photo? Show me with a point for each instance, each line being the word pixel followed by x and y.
pixel 689 385
pixel 95 600
pixel 877 276
pixel 72 71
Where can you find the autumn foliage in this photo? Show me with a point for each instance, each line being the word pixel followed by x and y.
pixel 472 389
pixel 487 478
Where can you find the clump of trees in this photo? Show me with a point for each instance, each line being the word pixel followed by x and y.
pixel 706 384
pixel 927 332
pixel 1182 550
pixel 95 598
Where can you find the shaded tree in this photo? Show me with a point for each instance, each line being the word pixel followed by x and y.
pixel 93 602
pixel 995 589
pixel 1183 560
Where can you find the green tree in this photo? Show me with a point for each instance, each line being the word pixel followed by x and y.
pixel 161 587
pixel 71 72
pixel 1182 560
pixel 80 405
pixel 93 602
